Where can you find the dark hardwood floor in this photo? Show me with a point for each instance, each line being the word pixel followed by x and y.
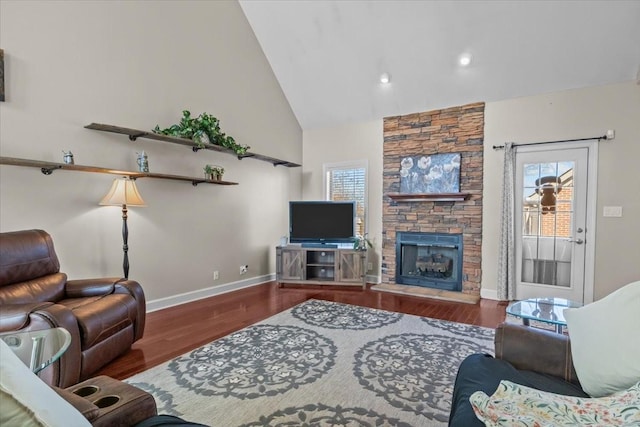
pixel 177 330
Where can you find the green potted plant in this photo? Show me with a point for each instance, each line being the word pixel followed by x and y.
pixel 213 172
pixel 203 130
pixel 361 243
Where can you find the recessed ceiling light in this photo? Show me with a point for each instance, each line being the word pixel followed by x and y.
pixel 385 78
pixel 465 59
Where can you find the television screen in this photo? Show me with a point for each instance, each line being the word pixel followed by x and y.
pixel 321 222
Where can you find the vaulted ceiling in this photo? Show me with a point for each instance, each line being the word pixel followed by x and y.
pixel 328 55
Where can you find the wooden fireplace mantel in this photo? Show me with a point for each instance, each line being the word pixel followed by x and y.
pixel 429 197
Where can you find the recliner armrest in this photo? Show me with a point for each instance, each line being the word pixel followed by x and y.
pixel 118 403
pixel 133 288
pixel 90 287
pixel 38 316
pixel 538 350
pixel 84 406
pixel 111 285
pixel 16 316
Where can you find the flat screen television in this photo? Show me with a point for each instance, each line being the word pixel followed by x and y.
pixel 321 222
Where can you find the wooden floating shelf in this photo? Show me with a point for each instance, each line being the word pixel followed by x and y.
pixel 47 168
pixel 136 133
pixel 429 197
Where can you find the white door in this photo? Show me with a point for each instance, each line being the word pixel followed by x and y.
pixel 551 218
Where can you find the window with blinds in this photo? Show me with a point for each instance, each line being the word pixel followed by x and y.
pixel 347 183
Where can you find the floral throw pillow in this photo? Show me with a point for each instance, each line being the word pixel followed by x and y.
pixel 513 404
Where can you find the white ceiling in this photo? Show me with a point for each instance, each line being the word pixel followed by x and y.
pixel 328 55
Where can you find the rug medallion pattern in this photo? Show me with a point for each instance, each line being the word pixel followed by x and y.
pixel 342 316
pixel 323 415
pixel 262 360
pixel 320 364
pixel 413 372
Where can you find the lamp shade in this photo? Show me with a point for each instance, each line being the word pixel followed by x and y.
pixel 123 192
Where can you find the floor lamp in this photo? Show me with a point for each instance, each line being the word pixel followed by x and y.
pixel 123 193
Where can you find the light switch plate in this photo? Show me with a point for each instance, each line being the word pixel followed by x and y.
pixel 612 211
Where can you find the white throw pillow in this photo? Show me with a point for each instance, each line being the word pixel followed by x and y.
pixel 26 400
pixel 605 341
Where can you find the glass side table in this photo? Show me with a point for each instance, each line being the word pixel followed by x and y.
pixel 545 310
pixel 38 349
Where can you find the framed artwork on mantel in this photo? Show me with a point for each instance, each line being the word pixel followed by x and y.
pixel 430 174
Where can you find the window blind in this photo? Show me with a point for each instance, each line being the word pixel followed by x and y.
pixel 347 184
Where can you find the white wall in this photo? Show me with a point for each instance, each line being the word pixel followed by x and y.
pixel 360 141
pixel 571 114
pixel 138 64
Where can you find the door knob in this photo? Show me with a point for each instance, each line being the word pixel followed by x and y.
pixel 576 241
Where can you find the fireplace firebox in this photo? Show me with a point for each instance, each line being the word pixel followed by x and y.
pixel 432 260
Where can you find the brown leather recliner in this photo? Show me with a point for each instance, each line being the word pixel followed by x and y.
pixel 104 316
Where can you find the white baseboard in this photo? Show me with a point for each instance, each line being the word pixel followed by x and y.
pixel 159 304
pixel 489 294
pixel 372 278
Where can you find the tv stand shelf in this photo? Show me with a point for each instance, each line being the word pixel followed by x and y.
pixel 320 266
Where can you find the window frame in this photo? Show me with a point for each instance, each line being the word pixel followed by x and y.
pixel 352 164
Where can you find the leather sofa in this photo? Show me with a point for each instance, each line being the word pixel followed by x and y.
pixel 524 355
pixel 106 402
pixel 104 316
pixel 25 400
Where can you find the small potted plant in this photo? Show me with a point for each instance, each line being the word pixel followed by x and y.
pixel 361 243
pixel 213 172
pixel 203 130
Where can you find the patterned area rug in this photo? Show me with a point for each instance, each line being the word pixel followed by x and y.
pixel 320 363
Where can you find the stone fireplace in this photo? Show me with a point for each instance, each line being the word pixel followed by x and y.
pixel 454 220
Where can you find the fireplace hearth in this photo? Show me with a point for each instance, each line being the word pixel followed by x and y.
pixel 432 260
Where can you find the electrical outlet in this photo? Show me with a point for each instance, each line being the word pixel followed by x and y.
pixel 216 275
pixel 613 211
pixel 244 269
pixel 370 266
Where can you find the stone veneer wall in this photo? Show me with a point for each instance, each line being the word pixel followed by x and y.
pixel 451 130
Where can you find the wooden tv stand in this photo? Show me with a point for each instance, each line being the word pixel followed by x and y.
pixel 320 266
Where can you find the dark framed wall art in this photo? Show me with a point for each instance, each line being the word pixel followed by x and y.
pixel 430 174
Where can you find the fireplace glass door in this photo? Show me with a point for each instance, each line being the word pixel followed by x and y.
pixel 428 261
pixel 432 260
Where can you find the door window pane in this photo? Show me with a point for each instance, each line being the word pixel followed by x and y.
pixel 547 223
